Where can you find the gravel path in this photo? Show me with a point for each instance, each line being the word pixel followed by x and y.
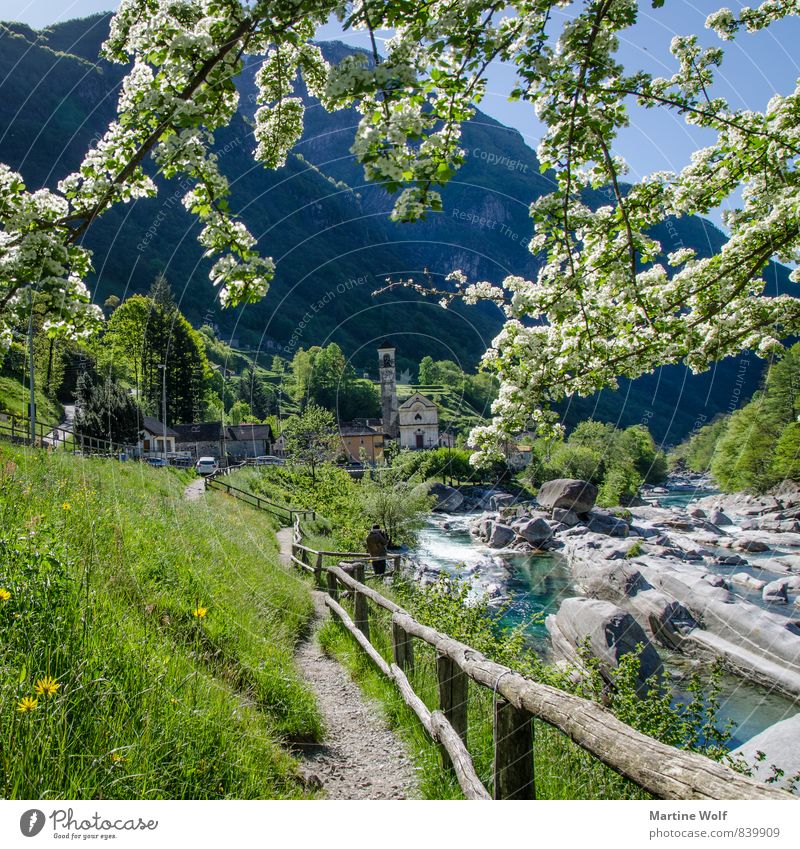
pixel 194 491
pixel 360 758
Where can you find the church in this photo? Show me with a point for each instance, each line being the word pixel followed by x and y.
pixel 415 422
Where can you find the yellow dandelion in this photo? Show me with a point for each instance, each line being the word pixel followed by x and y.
pixel 46 686
pixel 66 506
pixel 27 704
pixel 5 595
pixel 199 612
pixel 117 758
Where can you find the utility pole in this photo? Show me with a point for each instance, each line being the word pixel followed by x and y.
pixel 32 402
pixel 163 367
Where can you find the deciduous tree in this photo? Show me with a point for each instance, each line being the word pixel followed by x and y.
pixel 607 301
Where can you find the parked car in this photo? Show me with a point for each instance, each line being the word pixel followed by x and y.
pixel 159 462
pixel 270 460
pixel 181 462
pixel 207 466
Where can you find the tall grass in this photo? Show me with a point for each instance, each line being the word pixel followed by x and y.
pixel 167 626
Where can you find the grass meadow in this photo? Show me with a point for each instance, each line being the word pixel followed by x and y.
pixel 146 642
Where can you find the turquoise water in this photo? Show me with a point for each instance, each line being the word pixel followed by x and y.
pixel 683 498
pixel 536 586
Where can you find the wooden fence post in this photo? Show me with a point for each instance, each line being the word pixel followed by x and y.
pixel 453 693
pixel 402 648
pixel 333 587
pixel 513 752
pixel 360 603
pixel 318 571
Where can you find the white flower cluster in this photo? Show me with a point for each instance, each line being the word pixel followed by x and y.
pixel 605 301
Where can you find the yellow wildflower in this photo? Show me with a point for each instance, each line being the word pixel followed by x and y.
pixel 46 686
pixel 5 595
pixel 117 758
pixel 199 612
pixel 66 506
pixel 27 704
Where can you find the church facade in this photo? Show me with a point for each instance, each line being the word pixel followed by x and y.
pixel 418 420
pixel 415 422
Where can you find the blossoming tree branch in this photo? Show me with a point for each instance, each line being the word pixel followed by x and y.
pixel 605 302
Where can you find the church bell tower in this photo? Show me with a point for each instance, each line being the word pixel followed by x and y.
pixel 388 374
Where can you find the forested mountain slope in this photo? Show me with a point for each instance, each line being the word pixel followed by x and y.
pixel 327 231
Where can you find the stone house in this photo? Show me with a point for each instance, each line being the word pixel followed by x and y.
pixel 362 439
pixel 151 438
pixel 200 439
pixel 248 440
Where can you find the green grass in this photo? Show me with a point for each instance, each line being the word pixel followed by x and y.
pixel 106 566
pixel 14 399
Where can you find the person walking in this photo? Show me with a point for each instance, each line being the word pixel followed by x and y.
pixel 377 541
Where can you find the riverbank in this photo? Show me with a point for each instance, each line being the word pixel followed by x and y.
pixel 533 586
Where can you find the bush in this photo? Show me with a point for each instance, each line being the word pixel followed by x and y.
pixel 617 461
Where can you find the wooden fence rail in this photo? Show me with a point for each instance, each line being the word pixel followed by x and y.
pixel 286 514
pixel 661 770
pixel 16 428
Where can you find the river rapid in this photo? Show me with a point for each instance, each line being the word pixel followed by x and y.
pixel 533 586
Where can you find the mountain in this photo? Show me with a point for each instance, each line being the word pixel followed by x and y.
pixel 328 231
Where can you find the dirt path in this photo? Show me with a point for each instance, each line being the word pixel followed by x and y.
pixel 360 758
pixel 194 491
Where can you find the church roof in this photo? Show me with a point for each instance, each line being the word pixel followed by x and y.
pixel 386 345
pixel 417 397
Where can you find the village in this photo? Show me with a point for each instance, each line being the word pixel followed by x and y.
pixel 412 425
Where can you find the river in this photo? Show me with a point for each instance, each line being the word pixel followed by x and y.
pixel 535 586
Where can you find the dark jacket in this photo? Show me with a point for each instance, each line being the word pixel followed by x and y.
pixel 377 542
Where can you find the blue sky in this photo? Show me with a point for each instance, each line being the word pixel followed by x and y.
pixel 756 67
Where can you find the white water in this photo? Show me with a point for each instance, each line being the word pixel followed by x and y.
pixel 535 586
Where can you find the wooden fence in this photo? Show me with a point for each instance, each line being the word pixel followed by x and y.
pixel 17 429
pixel 288 515
pixel 661 770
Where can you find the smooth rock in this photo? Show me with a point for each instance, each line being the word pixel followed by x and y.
pixel 603 523
pixel 787 563
pixel 565 517
pixel 535 531
pixel 720 519
pixel 775 592
pixel 501 535
pixel 716 581
pixel 731 560
pixel 568 494
pixel 749 544
pixel 780 744
pixel 500 500
pixel 745 580
pixel 612 633
pixel 448 500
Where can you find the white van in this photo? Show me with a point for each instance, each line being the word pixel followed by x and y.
pixel 269 460
pixel 207 466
